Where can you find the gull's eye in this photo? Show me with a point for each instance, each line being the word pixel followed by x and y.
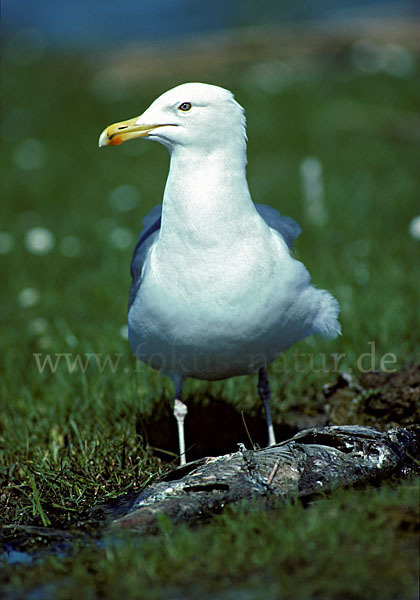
pixel 185 106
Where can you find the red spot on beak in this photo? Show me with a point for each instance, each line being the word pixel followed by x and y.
pixel 116 140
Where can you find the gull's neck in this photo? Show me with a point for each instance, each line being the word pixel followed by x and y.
pixel 206 199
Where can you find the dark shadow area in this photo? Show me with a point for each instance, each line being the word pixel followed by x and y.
pixel 212 428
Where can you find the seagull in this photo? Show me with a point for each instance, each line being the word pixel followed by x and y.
pixel 215 290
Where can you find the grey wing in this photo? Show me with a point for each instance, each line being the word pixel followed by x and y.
pixel 286 226
pixel 147 237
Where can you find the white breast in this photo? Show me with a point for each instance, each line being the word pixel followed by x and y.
pixel 219 312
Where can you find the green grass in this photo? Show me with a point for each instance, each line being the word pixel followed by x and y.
pixel 332 549
pixel 70 439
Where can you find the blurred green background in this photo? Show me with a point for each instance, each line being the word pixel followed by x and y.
pixel 334 135
pixel 333 142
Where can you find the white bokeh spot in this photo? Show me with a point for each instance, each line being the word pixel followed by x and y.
pixel 29 297
pixel 39 240
pixel 414 228
pixel 122 238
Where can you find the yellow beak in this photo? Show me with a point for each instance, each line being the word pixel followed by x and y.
pixel 116 134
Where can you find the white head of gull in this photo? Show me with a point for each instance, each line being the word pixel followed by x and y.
pixel 215 291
